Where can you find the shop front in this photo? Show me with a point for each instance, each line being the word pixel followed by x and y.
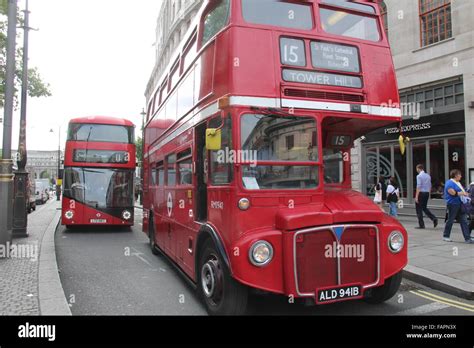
pixel 436 141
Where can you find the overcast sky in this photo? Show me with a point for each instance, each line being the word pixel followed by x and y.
pixel 97 55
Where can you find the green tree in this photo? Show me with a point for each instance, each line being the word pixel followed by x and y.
pixel 139 146
pixel 36 86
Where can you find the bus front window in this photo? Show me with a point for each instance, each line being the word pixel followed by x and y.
pixel 99 188
pixel 100 133
pixel 272 138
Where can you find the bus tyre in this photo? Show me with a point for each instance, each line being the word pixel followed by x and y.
pixel 386 291
pixel 151 236
pixel 222 294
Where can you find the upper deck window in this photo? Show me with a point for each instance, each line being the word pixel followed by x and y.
pixel 215 20
pixel 340 22
pixel 100 133
pixel 351 5
pixel 278 13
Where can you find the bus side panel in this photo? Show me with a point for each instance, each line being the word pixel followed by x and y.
pixel 184 216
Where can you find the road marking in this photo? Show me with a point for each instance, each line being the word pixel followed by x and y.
pixel 424 309
pixel 138 255
pixel 432 298
pixel 447 299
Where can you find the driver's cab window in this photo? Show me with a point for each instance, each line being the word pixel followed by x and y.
pixel 334 165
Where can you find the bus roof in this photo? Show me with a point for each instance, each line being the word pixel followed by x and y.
pixel 103 120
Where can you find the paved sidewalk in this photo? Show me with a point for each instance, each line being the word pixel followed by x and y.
pixel 442 265
pixel 29 280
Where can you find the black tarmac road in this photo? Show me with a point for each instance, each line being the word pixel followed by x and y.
pixel 113 272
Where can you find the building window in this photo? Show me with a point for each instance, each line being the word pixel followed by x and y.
pixel 290 142
pixel 384 15
pixel 435 21
pixel 449 94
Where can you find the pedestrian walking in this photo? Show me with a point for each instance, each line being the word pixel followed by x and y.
pixel 423 189
pixel 471 194
pixel 380 192
pixel 393 195
pixel 453 194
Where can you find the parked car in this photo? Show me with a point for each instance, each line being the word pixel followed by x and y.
pixel 42 188
pixel 31 196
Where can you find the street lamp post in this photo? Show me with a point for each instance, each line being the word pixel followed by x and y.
pixel 59 176
pixel 20 205
pixel 143 114
pixel 6 163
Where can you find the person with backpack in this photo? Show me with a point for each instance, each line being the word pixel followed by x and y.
pixel 393 195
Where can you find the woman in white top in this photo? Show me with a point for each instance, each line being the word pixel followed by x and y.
pixel 393 194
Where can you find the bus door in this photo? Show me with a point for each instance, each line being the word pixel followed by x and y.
pixel 200 188
pixel 171 205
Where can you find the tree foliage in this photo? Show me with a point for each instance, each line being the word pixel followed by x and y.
pixel 36 86
pixel 139 146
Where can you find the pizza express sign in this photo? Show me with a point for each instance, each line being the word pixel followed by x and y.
pixel 408 129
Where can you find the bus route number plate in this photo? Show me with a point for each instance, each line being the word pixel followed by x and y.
pixel 343 293
pixel 98 221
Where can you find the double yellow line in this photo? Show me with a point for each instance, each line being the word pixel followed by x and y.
pixel 444 300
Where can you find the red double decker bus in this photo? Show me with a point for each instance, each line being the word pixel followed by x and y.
pixel 99 172
pixel 247 153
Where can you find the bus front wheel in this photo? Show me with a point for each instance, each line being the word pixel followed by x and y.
pixel 386 291
pixel 222 294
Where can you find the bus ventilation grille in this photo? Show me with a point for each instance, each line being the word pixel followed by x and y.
pixel 302 93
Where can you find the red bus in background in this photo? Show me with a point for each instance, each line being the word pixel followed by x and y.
pixel 99 172
pixel 247 153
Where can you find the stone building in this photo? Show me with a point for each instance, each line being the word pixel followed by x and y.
pixel 433 51
pixel 41 163
pixel 173 21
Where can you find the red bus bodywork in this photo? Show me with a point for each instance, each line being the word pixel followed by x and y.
pixel 99 174
pixel 240 71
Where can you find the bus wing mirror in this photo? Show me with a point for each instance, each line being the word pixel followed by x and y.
pixel 213 139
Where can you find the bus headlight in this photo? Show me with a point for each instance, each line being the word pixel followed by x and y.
pixel 260 253
pixel 69 214
pixel 244 204
pixel 126 215
pixel 396 242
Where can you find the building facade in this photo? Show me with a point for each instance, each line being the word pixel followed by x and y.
pixel 41 164
pixel 173 21
pixel 433 51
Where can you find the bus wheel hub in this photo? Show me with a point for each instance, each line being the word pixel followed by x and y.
pixel 211 279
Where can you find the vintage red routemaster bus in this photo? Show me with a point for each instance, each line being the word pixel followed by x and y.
pixel 99 172
pixel 247 153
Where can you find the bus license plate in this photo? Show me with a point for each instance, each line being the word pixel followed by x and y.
pixel 338 294
pixel 98 221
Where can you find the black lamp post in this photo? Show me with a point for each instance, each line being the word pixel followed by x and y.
pixel 59 176
pixel 6 163
pixel 143 114
pixel 21 184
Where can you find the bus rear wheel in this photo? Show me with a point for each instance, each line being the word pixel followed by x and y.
pixel 222 294
pixel 386 291
pixel 151 236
